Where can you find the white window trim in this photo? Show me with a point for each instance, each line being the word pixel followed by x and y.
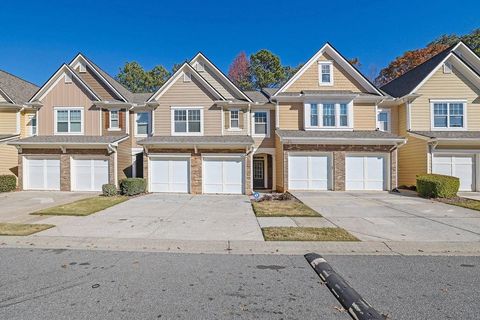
pixel 110 128
pixel 261 135
pixel 448 128
pixel 389 119
pixel 230 120
pixel 308 126
pixel 172 121
pixel 82 122
pixel 320 64
pixel 149 130
pixel 30 127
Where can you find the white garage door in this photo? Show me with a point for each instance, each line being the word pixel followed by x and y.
pixel 89 174
pixel 309 172
pixel 169 175
pixel 223 175
pixel 365 172
pixel 461 166
pixel 42 174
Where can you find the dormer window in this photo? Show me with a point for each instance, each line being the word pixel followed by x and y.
pixel 325 72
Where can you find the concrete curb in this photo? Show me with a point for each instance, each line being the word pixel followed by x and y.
pixel 345 294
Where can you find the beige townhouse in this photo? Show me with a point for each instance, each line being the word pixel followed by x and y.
pixel 17 119
pixel 437 105
pixel 87 130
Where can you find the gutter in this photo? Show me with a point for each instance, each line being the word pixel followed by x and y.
pixel 365 141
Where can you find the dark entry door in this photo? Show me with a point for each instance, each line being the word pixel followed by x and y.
pixel 258 173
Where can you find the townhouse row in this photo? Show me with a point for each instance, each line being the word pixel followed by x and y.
pixel 326 128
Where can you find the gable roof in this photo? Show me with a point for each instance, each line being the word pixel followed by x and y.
pixel 411 80
pixel 174 77
pixel 222 76
pixel 64 68
pixel 340 59
pixel 16 90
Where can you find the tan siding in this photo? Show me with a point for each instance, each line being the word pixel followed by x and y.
pixel 394 120
pixel 412 160
pixel 270 141
pixel 402 119
pixel 291 116
pixel 8 122
pixel 97 85
pixel 188 94
pixel 124 159
pixel 279 164
pixel 68 95
pixel 364 117
pixel 446 86
pixel 310 79
pixel 8 160
pixel 215 82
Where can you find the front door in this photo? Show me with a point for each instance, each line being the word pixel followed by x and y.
pixel 258 173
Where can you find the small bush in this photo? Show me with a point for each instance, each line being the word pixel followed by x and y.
pixel 133 186
pixel 437 186
pixel 109 190
pixel 8 182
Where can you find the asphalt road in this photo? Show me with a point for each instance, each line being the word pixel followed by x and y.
pixel 68 284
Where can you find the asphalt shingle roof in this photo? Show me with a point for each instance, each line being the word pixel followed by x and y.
pixel 7 136
pixel 449 134
pixel 19 90
pixel 220 140
pixel 356 134
pixel 257 96
pixel 68 139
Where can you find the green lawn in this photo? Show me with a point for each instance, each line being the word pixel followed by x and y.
pixel 283 208
pixel 20 229
pixel 306 234
pixel 463 202
pixel 82 207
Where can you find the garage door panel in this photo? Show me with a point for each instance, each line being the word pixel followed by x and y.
pixel 89 174
pixel 169 175
pixel 365 172
pixel 308 172
pixel 43 174
pixel 223 175
pixel 460 166
pixel 179 174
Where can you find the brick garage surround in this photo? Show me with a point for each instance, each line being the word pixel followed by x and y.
pixel 65 174
pixel 339 152
pixel 196 165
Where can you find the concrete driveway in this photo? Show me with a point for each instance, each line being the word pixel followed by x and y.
pixel 16 206
pixel 382 216
pixel 166 216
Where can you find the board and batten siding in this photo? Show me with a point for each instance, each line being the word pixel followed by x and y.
pixel 96 84
pixel 215 82
pixel 412 160
pixel 445 86
pixel 8 122
pixel 309 80
pixel 68 95
pixel 188 94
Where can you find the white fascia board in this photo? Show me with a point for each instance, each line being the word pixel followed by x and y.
pixel 219 73
pixel 6 95
pixel 98 74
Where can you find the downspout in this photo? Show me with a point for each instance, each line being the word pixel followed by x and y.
pixel 432 144
pixel 409 116
pixel 396 147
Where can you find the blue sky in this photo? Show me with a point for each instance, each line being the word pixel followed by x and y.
pixel 36 37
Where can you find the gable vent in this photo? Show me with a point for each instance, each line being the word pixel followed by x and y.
pixel 447 67
pixel 187 77
pixel 200 67
pixel 68 78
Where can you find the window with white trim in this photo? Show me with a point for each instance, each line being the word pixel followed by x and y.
pixel 142 127
pixel 327 115
pixel 383 120
pixel 114 120
pixel 261 123
pixel 32 125
pixel 234 119
pixel 325 72
pixel 69 120
pixel 187 121
pixel 450 115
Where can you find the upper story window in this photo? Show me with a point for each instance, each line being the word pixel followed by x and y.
pixel 114 120
pixel 448 115
pixel 234 119
pixel 327 115
pixel 32 125
pixel 383 120
pixel 187 121
pixel 325 70
pixel 261 123
pixel 69 120
pixel 142 127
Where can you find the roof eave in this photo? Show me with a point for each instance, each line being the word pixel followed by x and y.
pixel 357 141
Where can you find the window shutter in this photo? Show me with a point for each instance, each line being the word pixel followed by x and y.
pixel 106 121
pixel 227 119
pixel 121 118
pixel 240 119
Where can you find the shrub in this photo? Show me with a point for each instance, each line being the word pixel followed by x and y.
pixel 133 186
pixel 109 190
pixel 8 182
pixel 437 186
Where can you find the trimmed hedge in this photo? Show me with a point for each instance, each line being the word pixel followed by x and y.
pixel 133 186
pixel 437 186
pixel 109 190
pixel 8 182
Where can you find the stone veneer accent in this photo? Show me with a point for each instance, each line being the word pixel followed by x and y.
pixel 196 165
pixel 338 159
pixel 65 181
